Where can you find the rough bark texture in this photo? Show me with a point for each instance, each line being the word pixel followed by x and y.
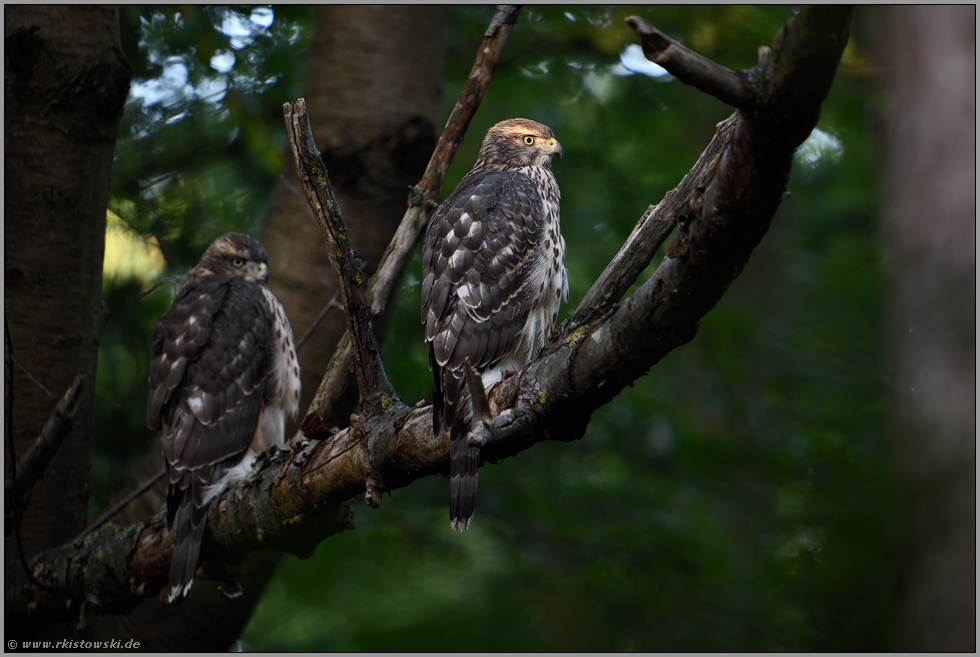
pixel 929 221
pixel 374 90
pixel 65 83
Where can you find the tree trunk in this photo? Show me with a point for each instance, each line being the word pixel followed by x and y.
pixel 65 83
pixel 374 91
pixel 929 224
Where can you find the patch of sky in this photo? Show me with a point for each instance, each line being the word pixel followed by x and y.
pixel 223 61
pixel 538 70
pixel 602 19
pixel 820 147
pixel 212 90
pixel 170 89
pixel 632 60
pixel 579 66
pixel 262 16
pixel 234 25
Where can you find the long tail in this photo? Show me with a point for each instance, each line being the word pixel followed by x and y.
pixel 464 464
pixel 189 524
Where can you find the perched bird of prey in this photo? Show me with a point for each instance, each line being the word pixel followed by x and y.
pixel 493 276
pixel 223 378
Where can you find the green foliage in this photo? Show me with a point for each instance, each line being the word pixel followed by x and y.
pixel 738 497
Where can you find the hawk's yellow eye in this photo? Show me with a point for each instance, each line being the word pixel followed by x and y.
pixel 238 262
pixel 528 139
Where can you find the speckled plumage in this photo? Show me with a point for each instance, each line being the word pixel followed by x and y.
pixel 223 377
pixel 493 279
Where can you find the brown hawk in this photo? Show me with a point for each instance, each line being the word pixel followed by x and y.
pixel 493 277
pixel 223 378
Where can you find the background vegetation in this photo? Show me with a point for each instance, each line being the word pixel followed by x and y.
pixel 738 497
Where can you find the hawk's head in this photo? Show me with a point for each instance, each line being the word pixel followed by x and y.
pixel 235 254
pixel 518 143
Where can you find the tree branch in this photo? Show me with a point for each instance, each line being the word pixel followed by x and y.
pixel 651 232
pixel 371 379
pixel 333 303
pixel 731 87
pixel 494 40
pixel 33 463
pixel 299 497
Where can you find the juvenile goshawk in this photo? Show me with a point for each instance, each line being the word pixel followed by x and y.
pixel 223 378
pixel 493 277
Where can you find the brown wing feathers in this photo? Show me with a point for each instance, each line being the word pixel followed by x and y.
pixel 211 374
pixel 480 249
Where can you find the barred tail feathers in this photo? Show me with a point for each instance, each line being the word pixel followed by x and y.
pixel 189 533
pixel 464 465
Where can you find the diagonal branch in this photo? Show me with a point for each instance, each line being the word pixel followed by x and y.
pixel 651 232
pixel 32 464
pixel 371 379
pixel 731 87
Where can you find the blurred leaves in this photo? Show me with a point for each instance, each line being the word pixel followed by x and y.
pixel 736 498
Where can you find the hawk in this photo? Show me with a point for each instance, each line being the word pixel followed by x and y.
pixel 493 277
pixel 223 377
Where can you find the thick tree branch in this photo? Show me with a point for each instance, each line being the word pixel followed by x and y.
pixel 298 497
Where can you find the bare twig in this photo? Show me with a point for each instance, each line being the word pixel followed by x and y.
pixel 162 281
pixel 368 369
pixel 13 359
pixel 711 248
pixel 731 87
pixel 493 44
pixel 11 486
pixel 122 504
pixel 32 464
pixel 333 303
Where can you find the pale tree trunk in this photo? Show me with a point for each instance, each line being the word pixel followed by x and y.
pixel 929 223
pixel 65 83
pixel 374 90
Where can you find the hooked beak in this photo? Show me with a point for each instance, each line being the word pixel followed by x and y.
pixel 554 148
pixel 263 274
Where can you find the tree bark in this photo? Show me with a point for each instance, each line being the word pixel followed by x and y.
pixel 929 222
pixel 374 90
pixel 65 83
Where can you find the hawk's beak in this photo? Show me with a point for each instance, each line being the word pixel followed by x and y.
pixel 263 272
pixel 554 148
